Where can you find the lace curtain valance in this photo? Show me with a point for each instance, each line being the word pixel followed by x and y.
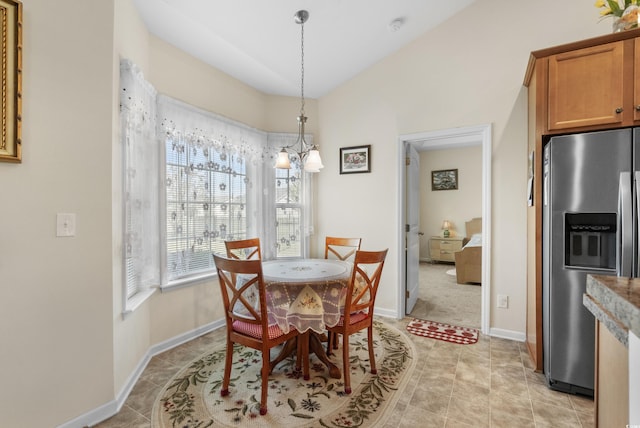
pixel 206 130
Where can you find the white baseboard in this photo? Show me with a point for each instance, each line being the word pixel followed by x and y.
pixel 387 313
pixel 507 334
pixel 185 337
pixel 93 417
pixel 111 408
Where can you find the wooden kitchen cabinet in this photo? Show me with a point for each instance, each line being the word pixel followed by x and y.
pixel 586 87
pixel 636 82
pixel 612 380
pixel 444 249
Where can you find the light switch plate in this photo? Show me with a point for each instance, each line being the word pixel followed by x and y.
pixel 503 301
pixel 66 224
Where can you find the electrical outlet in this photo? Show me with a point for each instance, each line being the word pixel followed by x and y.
pixel 503 301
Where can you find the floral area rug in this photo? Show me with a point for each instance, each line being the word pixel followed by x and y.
pixel 192 397
pixel 445 332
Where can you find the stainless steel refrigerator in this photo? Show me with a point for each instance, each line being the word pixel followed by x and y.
pixel 590 210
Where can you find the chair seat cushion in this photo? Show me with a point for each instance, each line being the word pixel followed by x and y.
pixel 255 330
pixel 354 318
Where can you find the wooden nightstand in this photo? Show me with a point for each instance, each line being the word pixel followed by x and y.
pixel 443 249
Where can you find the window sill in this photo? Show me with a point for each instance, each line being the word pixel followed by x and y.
pixel 138 299
pixel 189 281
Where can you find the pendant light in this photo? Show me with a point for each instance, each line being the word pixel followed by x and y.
pixel 308 154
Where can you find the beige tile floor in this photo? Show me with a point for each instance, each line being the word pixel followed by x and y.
pixel 487 384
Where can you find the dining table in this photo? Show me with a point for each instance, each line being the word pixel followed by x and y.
pixel 308 295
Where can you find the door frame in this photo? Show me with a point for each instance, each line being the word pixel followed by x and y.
pixel 412 228
pixel 445 139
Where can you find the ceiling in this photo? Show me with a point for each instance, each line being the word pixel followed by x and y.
pixel 258 41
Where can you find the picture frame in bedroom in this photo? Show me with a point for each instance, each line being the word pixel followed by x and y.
pixel 444 179
pixel 11 46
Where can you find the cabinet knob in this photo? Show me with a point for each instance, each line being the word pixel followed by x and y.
pixel 638 107
pixel 619 110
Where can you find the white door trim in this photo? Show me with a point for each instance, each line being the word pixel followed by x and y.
pixel 442 139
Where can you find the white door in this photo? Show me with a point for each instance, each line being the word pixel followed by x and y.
pixel 412 238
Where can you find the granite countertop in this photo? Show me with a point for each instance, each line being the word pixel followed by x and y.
pixel 615 301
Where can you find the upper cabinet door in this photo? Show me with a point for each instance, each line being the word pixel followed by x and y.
pixel 636 80
pixel 586 87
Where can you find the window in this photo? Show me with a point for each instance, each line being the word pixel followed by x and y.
pixel 206 199
pixel 212 173
pixel 140 166
pixel 289 211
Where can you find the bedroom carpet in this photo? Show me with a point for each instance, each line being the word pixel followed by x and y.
pixel 443 300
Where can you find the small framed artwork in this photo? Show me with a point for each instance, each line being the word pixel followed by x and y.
pixel 11 47
pixel 355 159
pixel 445 179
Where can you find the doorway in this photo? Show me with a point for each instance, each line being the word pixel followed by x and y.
pixel 443 139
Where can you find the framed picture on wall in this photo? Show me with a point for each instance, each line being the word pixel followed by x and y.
pixel 355 159
pixel 11 45
pixel 444 179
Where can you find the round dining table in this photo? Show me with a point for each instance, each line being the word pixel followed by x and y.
pixel 308 295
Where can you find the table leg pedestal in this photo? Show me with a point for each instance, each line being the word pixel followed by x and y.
pixel 315 346
pixel 310 342
pixel 302 356
pixel 288 348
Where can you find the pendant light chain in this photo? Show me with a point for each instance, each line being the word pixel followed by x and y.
pixel 302 68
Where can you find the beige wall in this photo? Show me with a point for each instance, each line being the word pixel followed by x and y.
pixel 56 331
pixel 466 72
pixel 457 206
pixel 61 328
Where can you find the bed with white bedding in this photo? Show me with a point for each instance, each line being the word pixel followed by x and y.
pixel 469 259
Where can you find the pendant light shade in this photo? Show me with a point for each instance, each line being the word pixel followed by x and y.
pixel 313 162
pixel 283 160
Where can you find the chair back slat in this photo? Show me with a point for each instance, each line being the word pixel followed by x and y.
pixel 244 249
pixel 365 279
pixel 341 248
pixel 243 291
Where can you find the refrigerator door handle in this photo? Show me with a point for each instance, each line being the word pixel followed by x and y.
pixel 624 236
pixel 636 268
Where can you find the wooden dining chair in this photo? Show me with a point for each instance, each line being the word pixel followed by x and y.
pixel 341 248
pixel 246 314
pixel 358 307
pixel 244 249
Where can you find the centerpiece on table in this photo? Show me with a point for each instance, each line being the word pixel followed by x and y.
pixel 623 12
